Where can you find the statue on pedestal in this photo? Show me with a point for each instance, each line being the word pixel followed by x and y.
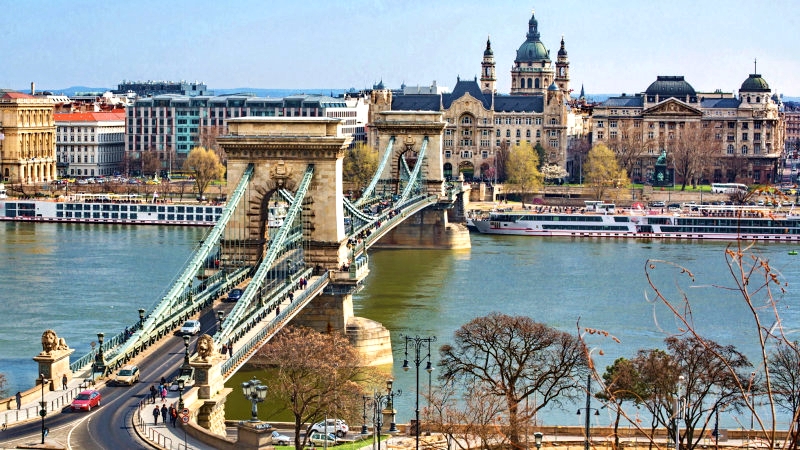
pixel 51 342
pixel 662 177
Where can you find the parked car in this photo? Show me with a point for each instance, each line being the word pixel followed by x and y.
pixel 190 327
pixel 127 375
pixel 86 400
pixel 280 439
pixel 337 426
pixel 318 439
pixel 234 295
pixel 657 204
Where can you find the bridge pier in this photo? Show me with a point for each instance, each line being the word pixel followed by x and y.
pixel 427 229
pixel 334 313
pixel 211 390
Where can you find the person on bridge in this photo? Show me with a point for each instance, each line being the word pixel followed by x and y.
pixel 164 413
pixel 156 413
pixel 64 382
pixel 153 394
pixel 19 400
pixel 173 415
pixel 163 395
pixel 230 350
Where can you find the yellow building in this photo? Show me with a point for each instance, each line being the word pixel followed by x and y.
pixel 27 138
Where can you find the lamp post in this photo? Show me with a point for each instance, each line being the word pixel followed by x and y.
pixel 537 440
pixel 391 393
pixel 93 344
pixel 364 428
pixel 378 402
pixel 186 339
pixel 220 316
pixel 141 318
pixel 43 410
pixel 254 391
pixel 181 385
pixel 588 409
pixel 99 359
pixel 417 344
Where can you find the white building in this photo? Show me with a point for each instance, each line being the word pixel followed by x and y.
pixel 90 144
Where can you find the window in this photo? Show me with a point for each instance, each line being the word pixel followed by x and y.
pixel 744 136
pixel 756 149
pixel 538 121
pixel 554 143
pixel 519 133
pixel 599 135
pixel 448 132
pixel 538 133
pixel 651 135
pixel 745 126
pixel 508 120
pixel 744 149
pixel 612 123
pixel 612 135
pixel 528 121
pixel 527 133
pixel 498 121
pixel 466 120
pixel 498 133
pixel 599 124
pixel 756 136
pixel 508 133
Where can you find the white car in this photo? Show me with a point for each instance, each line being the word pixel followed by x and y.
pixel 280 439
pixel 190 327
pixel 337 426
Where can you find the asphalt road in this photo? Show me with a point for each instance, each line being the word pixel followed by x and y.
pixel 110 424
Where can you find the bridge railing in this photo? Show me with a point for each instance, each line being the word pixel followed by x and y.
pixel 273 326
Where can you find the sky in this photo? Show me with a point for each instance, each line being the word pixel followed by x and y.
pixel 614 46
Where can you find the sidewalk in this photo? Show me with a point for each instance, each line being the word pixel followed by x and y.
pixel 55 400
pixel 160 434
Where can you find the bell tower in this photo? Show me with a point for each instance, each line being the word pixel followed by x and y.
pixel 488 78
pixel 562 69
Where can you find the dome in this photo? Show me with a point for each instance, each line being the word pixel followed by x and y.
pixel 754 83
pixel 488 51
pixel 532 50
pixel 562 51
pixel 552 87
pixel 670 86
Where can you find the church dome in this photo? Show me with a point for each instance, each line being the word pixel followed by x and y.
pixel 552 87
pixel 670 86
pixel 754 83
pixel 488 51
pixel 532 50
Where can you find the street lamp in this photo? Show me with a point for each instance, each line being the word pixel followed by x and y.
pixel 181 385
pixel 99 359
pixel 141 318
pixel 254 391
pixel 186 350
pixel 364 428
pixel 94 365
pixel 390 404
pixel 43 410
pixel 588 409
pixel 537 440
pixel 677 415
pixel 417 343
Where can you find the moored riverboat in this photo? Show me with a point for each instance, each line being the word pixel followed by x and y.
pixel 702 222
pixel 109 208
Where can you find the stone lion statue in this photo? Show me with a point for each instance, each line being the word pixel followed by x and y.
pixel 205 347
pixel 51 342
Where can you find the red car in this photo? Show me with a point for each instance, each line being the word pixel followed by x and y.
pixel 86 400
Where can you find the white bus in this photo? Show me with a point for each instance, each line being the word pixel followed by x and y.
pixel 728 188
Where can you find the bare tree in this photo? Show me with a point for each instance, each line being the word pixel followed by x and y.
pixel 205 166
pixel 316 377
pixel 692 151
pixel 627 146
pixel 511 358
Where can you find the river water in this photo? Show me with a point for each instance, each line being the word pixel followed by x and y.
pixel 80 279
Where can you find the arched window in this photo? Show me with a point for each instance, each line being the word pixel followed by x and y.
pixel 536 84
pixel 466 120
pixel 744 149
pixel 529 83
pixel 730 149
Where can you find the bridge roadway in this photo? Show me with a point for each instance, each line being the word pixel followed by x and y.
pixel 112 424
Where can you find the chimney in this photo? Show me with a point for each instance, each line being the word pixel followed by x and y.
pixel 33 88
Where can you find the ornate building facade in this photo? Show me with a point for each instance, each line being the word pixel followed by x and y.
pixel 480 121
pixel 27 138
pixel 742 137
pixel 90 144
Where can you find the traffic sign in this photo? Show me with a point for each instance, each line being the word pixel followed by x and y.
pixel 185 411
pixel 185 419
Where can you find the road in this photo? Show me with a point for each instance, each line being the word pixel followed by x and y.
pixel 110 425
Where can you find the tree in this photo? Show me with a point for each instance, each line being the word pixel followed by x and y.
pixel 359 165
pixel 692 151
pixel 205 166
pixel 627 146
pixel 317 376
pixel 522 169
pixel 622 382
pixel 603 171
pixel 207 138
pixel 659 376
pixel 540 154
pixel 511 358
pixel 579 149
pixel 784 363
pixel 150 163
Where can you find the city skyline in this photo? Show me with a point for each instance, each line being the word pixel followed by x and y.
pixel 613 47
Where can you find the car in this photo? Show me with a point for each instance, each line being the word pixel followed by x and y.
pixel 234 295
pixel 190 327
pixel 86 400
pixel 187 375
pixel 280 439
pixel 337 426
pixel 319 439
pixel 127 375
pixel 657 204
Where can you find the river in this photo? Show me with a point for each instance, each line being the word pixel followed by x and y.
pixel 81 279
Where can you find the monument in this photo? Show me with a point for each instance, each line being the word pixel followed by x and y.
pixel 662 176
pixel 54 358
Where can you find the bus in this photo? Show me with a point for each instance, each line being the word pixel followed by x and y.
pixel 728 188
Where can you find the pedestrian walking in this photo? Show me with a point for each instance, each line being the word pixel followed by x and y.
pixel 173 414
pixel 156 413
pixel 223 349
pixel 153 393
pixel 64 382
pixel 230 350
pixel 19 400
pixel 164 413
pixel 163 393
